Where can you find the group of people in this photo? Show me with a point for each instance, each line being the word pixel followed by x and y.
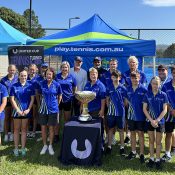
pixel 124 102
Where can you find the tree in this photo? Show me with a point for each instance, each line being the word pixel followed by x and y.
pixel 159 53
pixel 21 22
pixel 170 51
pixel 36 28
pixel 14 19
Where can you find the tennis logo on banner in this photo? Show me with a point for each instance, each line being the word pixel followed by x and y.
pixel 23 56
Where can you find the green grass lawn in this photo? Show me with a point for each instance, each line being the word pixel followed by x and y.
pixel 35 164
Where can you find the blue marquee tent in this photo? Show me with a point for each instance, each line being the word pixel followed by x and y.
pixel 95 37
pixel 10 36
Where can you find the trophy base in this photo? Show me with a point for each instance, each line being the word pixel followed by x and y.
pixel 84 118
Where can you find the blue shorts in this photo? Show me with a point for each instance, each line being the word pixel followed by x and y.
pixel 113 121
pixel 1 125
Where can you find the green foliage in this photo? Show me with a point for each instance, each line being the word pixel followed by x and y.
pixel 36 28
pixel 21 22
pixel 170 51
pixel 14 19
pixel 159 53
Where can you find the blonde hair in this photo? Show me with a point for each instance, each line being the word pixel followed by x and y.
pixel 65 63
pixel 92 69
pixel 156 78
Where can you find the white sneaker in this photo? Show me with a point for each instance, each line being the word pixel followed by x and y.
pixel 114 141
pixel 51 151
pixel 11 138
pixel 44 149
pixel 6 139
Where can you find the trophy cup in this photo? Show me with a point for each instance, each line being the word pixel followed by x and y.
pixel 85 97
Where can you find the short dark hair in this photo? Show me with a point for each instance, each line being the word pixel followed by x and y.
pixel 116 73
pixel 135 74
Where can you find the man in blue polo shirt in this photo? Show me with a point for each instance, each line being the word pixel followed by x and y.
pixel 169 89
pixel 163 75
pixel 106 78
pixel 133 67
pixel 136 117
pixel 3 102
pixel 116 96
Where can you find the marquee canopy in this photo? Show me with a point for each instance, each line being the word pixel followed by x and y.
pixel 94 37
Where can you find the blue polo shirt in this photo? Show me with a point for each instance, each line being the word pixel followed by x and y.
pixel 22 95
pixel 49 101
pixel 116 105
pixel 170 91
pixel 9 83
pixel 127 80
pixel 155 104
pixel 106 78
pixel 3 93
pixel 135 99
pixel 100 91
pixel 38 81
pixel 67 86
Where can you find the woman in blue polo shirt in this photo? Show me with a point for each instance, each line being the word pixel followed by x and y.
pixel 10 79
pixel 68 86
pixel 3 102
pixel 96 106
pixel 155 109
pixel 22 98
pixel 136 117
pixel 51 95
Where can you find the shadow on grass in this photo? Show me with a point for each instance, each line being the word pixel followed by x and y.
pixel 113 162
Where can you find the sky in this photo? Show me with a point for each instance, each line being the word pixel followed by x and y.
pixel 120 13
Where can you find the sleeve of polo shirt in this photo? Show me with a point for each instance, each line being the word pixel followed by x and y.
pixel 12 91
pixel 107 91
pixel 4 92
pixel 124 92
pixel 103 92
pixel 145 98
pixel 32 90
pixel 59 90
pixel 166 98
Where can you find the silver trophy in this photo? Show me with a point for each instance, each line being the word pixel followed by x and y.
pixel 85 97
